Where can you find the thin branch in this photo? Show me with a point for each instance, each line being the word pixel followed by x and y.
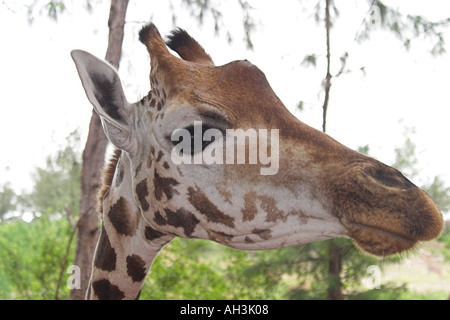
pixel 327 81
pixel 75 227
pixel 69 216
pixel 64 262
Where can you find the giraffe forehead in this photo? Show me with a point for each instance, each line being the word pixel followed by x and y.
pixel 233 88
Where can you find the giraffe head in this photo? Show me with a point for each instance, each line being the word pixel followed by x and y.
pixel 292 185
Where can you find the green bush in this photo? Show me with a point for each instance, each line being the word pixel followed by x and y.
pixel 30 258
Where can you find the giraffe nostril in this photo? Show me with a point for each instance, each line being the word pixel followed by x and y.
pixel 389 177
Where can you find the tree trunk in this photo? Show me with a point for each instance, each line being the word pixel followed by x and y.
pixel 334 255
pixel 93 161
pixel 334 272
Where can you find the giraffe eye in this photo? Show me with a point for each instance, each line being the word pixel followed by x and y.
pixel 204 144
pixel 196 142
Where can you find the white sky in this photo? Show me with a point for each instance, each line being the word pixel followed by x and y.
pixel 42 100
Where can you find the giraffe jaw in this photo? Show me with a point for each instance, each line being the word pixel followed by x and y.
pixel 284 234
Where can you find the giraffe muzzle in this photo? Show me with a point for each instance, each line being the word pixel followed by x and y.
pixel 383 211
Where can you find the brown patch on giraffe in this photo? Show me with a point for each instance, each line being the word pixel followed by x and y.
pixel 142 193
pixel 122 217
pixel 136 268
pixel 159 219
pixel 300 215
pixel 152 102
pixel 219 236
pixel 143 100
pixel 105 290
pixel 159 105
pixel 152 234
pixel 265 234
pixel 201 202
pixel 180 218
pixel 164 185
pixel 249 211
pixel 107 178
pixel 107 259
pixel 166 165
pixel 269 205
pixel 226 194
pixel 248 240
pixel 160 155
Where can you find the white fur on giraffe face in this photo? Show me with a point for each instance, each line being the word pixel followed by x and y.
pixel 245 217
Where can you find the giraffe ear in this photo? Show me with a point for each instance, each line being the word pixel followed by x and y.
pixel 104 90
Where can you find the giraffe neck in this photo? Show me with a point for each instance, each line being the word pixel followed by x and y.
pixel 127 245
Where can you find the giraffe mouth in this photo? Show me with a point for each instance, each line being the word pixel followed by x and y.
pixel 383 212
pixel 379 241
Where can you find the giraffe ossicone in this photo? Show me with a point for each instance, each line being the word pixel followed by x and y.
pixel 319 190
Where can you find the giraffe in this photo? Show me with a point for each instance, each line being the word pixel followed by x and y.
pixel 320 190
